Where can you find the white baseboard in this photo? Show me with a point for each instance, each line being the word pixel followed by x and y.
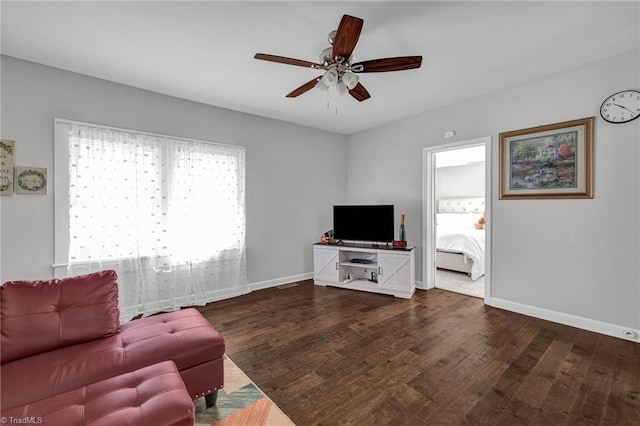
pixel 567 319
pixel 532 311
pixel 280 281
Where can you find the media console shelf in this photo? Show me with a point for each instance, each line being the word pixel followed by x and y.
pixel 378 270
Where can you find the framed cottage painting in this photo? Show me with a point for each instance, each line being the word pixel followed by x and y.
pixel 552 161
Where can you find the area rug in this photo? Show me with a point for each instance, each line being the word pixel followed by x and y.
pixel 240 403
pixel 460 283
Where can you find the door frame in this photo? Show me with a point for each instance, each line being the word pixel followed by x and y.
pixel 428 209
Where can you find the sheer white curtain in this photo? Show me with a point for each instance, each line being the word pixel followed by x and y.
pixel 167 214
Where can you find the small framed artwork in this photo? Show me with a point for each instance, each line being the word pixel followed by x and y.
pixel 552 161
pixel 31 180
pixel 7 155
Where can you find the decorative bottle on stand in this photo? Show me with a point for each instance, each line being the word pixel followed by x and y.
pixel 401 235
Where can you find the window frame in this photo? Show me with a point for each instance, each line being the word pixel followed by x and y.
pixel 61 185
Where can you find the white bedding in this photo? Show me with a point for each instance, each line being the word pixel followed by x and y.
pixel 463 239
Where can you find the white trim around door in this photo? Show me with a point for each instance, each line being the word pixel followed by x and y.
pixel 428 209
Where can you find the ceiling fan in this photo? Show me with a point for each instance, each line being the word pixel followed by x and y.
pixel 336 61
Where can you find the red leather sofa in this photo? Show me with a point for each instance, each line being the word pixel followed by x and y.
pixel 62 336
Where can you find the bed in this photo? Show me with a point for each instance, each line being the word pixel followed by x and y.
pixel 459 245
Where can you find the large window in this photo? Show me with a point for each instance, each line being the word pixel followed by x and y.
pixel 166 213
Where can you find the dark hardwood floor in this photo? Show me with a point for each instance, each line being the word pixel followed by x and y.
pixel 332 356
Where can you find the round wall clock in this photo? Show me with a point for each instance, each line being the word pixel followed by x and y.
pixel 621 107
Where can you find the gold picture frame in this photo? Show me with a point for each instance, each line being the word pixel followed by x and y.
pixel 552 161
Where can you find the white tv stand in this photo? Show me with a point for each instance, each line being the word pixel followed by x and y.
pixel 394 269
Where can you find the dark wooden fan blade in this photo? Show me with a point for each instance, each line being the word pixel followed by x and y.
pixel 304 88
pixel 390 64
pixel 288 61
pixel 359 93
pixel 347 36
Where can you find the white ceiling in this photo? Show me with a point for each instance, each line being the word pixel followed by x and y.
pixel 203 51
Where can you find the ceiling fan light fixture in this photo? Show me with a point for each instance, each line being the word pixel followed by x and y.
pixel 322 87
pixel 337 63
pixel 350 79
pixel 331 36
pixel 326 55
pixel 330 78
pixel 341 88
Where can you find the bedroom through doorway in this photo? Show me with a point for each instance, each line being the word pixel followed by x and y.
pixel 457 192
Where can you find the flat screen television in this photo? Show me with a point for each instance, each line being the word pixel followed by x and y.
pixel 363 223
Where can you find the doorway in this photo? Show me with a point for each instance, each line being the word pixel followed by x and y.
pixel 456 206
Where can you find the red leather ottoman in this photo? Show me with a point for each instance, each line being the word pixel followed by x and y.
pixel 185 337
pixel 153 395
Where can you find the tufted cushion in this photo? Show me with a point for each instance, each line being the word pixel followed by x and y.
pixel 154 395
pixel 40 316
pixel 185 337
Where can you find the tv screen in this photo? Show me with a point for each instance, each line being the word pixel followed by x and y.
pixel 363 223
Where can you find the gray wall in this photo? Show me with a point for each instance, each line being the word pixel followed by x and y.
pixel 294 174
pixel 577 257
pixel 460 181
